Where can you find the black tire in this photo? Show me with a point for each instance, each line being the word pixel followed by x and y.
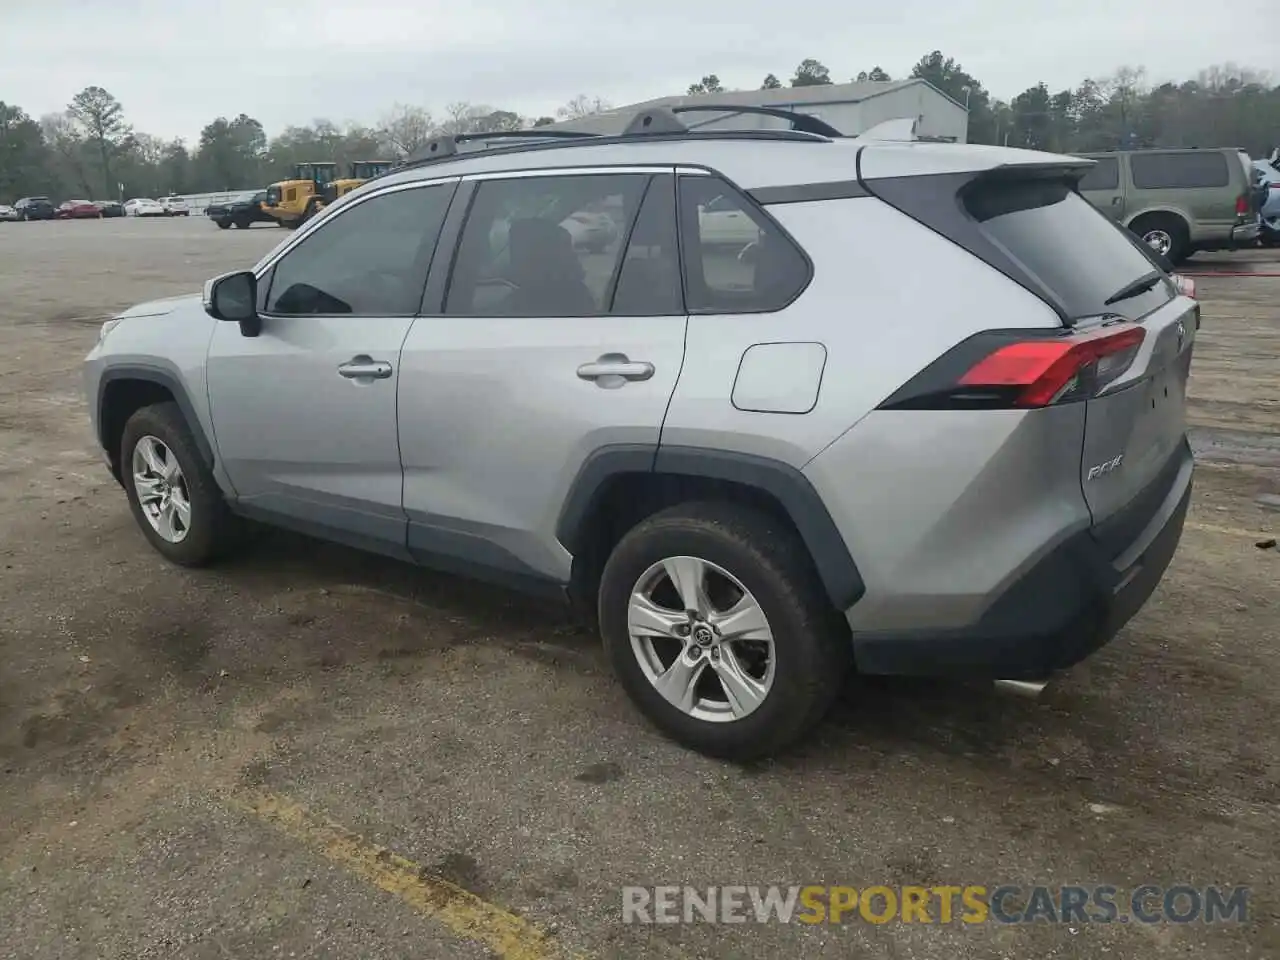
pixel 223 224
pixel 242 224
pixel 811 646
pixel 1175 228
pixel 214 530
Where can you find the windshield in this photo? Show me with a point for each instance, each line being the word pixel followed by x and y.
pixel 1076 253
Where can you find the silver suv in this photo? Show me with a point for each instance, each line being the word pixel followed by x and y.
pixel 816 403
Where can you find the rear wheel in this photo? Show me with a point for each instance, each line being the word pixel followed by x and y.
pixel 1165 234
pixel 717 628
pixel 223 224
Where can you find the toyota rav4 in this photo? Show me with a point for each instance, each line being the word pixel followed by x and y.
pixel 929 419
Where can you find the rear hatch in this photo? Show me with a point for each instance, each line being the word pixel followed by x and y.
pixel 1103 279
pixel 1124 350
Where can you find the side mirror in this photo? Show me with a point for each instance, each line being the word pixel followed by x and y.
pixel 233 297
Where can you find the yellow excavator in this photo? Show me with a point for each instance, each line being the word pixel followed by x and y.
pixel 314 185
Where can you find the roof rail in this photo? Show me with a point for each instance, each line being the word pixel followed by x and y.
pixel 654 122
pixel 658 120
pixel 446 144
pixel 804 122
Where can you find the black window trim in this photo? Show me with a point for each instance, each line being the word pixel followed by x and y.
pixel 436 295
pixel 748 202
pixel 268 270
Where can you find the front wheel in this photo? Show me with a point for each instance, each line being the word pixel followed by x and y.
pixel 718 629
pixel 223 224
pixel 172 493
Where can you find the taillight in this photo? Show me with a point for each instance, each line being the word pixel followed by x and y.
pixel 1274 185
pixel 1009 369
pixel 1242 205
pixel 1186 286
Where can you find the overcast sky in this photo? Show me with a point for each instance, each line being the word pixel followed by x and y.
pixel 176 64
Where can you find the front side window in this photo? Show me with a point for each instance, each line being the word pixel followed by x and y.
pixel 544 246
pixel 370 260
pixel 736 260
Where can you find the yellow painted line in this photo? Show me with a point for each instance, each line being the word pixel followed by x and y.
pixel 1228 531
pixel 460 911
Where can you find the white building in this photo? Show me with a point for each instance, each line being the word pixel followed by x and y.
pixel 849 107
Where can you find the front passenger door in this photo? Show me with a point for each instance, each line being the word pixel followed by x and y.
pixel 304 415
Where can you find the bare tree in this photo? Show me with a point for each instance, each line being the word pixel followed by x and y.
pixel 405 130
pixel 464 117
pixel 583 106
pixel 101 120
pixel 67 144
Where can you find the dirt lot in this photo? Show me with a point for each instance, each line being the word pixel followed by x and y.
pixel 182 753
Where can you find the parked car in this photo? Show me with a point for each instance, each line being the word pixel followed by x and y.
pixel 35 208
pixel 1268 180
pixel 78 210
pixel 792 464
pixel 174 207
pixel 721 221
pixel 8 213
pixel 110 208
pixel 240 213
pixel 1177 201
pixel 143 207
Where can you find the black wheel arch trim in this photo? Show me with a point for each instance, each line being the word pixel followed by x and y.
pixel 161 377
pixel 786 484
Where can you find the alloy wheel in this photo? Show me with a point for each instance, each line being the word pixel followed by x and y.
pixel 162 489
pixel 702 639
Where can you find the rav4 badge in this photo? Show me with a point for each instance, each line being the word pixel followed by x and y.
pixel 1103 469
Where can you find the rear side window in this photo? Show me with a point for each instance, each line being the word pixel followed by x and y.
pixel 1105 175
pixel 1160 171
pixel 736 260
pixel 544 246
pixel 1065 245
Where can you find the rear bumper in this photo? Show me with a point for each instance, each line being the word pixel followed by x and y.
pixel 1246 232
pixel 1071 603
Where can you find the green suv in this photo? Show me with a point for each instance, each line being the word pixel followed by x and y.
pixel 1178 201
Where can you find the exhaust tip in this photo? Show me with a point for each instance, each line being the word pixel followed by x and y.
pixel 1027 689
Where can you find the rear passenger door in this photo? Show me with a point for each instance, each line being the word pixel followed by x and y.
pixel 558 331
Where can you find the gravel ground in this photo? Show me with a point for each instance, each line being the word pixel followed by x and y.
pixel 481 737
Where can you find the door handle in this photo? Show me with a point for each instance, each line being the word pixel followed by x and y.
pixel 613 368
pixel 364 367
pixel 1114 201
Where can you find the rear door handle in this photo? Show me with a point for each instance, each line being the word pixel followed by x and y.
pixel 365 367
pixel 614 368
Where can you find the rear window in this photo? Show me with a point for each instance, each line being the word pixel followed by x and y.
pixel 1105 175
pixel 1066 246
pixel 1160 171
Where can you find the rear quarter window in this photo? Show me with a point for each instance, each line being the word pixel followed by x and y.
pixel 1161 171
pixel 735 258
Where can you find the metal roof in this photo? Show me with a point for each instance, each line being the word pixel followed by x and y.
pixel 613 121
